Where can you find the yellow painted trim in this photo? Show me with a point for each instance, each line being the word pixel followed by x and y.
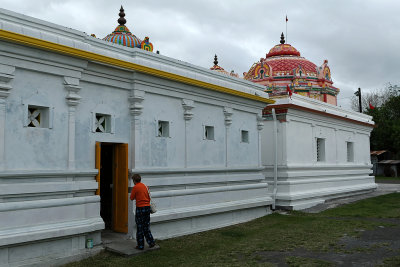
pixel 67 50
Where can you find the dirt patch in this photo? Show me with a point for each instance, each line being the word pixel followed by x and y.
pixel 369 249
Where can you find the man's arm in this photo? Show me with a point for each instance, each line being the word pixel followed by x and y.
pixel 132 197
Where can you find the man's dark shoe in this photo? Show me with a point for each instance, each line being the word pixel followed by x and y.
pixel 139 248
pixel 152 245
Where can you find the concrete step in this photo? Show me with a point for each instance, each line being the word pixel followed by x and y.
pixel 127 247
pixel 117 243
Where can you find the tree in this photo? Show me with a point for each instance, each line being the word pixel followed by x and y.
pixel 376 98
pixel 386 134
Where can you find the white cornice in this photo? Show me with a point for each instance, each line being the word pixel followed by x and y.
pixel 323 107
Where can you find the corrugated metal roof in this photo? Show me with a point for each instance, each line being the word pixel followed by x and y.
pixel 378 152
pixel 389 161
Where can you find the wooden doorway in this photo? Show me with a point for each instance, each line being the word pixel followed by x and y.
pixel 112 164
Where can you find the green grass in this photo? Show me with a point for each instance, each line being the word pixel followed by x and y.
pixel 394 261
pixel 300 261
pixel 384 178
pixel 238 245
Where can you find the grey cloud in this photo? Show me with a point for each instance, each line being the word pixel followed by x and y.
pixel 359 38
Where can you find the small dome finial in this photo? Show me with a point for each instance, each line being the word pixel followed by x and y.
pixel 121 19
pixel 282 38
pixel 215 60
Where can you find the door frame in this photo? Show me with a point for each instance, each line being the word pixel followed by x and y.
pixel 120 184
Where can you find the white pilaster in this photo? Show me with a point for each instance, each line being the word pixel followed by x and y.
pixel 336 146
pixel 72 98
pixel 6 75
pixel 136 108
pixel 260 126
pixel 314 139
pixel 187 105
pixel 228 121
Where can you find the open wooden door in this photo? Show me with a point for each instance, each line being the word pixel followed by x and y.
pixel 97 166
pixel 120 189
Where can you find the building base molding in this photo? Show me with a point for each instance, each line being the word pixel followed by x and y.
pixel 295 191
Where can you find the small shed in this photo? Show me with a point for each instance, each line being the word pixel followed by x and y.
pixel 377 156
pixel 389 168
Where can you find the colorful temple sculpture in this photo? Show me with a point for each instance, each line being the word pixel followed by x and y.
pixel 121 35
pixel 219 69
pixel 283 66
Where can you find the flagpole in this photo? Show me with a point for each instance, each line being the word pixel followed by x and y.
pixel 286 29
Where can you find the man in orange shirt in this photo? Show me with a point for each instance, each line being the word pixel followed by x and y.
pixel 140 193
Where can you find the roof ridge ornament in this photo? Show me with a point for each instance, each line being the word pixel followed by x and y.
pixel 121 35
pixel 121 19
pixel 215 60
pixel 282 38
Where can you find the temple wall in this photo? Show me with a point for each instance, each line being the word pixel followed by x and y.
pixel 48 208
pixel 48 202
pixel 35 89
pixel 198 182
pixel 304 179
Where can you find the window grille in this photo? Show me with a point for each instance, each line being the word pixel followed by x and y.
pixel 38 117
pixel 320 149
pixel 103 123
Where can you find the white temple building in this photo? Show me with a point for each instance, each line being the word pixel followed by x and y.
pixel 313 151
pixel 79 115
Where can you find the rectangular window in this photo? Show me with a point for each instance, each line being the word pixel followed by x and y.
pixel 103 123
pixel 209 132
pixel 163 129
pixel 320 149
pixel 245 136
pixel 350 151
pixel 38 116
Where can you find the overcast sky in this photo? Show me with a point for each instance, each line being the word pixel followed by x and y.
pixel 360 39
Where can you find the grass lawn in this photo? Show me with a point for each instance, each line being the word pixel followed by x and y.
pixel 242 245
pixel 386 179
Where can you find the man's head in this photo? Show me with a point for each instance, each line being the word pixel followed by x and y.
pixel 136 178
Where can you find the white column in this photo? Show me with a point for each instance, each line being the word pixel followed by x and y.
pixel 187 105
pixel 336 146
pixel 136 108
pixel 314 145
pixel 260 126
pixel 6 75
pixel 72 99
pixel 228 121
